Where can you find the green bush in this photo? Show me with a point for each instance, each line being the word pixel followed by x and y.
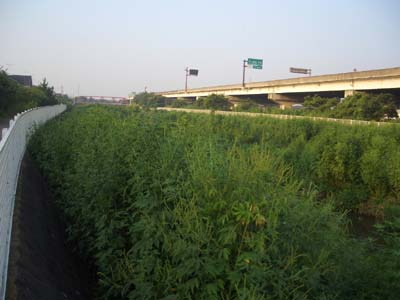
pixel 179 103
pixel 320 104
pixel 150 100
pixel 215 102
pixel 248 105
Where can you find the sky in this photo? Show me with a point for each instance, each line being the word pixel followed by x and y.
pixel 112 48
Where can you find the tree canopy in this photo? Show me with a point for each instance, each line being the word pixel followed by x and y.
pixel 360 106
pixel 150 100
pixel 15 97
pixel 214 101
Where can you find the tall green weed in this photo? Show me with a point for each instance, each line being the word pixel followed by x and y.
pixel 182 206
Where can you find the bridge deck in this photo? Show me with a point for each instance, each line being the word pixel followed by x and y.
pixel 383 78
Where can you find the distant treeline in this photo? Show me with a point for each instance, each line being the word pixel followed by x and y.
pixel 15 97
pixel 360 106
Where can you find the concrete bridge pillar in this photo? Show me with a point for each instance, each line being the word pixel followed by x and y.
pixel 349 93
pixel 189 99
pixel 283 100
pixel 235 100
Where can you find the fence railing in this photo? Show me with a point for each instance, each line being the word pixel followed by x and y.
pixel 12 149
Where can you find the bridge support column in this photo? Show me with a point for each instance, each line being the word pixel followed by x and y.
pixel 236 100
pixel 284 101
pixel 349 93
pixel 189 99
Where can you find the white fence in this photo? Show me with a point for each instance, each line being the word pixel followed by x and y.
pixel 12 149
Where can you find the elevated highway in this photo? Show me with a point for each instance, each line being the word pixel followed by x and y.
pixel 286 92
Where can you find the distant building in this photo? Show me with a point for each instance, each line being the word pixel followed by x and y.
pixel 22 79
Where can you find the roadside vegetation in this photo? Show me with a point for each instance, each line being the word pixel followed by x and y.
pixel 214 102
pixel 173 205
pixel 150 100
pixel 360 106
pixel 249 106
pixel 15 98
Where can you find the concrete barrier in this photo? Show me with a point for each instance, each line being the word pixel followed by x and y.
pixel 12 149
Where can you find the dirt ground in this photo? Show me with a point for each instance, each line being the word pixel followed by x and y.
pixel 42 265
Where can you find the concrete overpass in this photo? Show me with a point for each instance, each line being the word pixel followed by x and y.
pixel 289 91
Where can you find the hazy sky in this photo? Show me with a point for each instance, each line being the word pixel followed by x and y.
pixel 115 47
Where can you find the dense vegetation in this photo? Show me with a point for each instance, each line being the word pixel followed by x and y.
pixel 360 106
pixel 250 106
pixel 186 206
pixel 15 97
pixel 150 100
pixel 213 101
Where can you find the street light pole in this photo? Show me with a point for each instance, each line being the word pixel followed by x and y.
pixel 187 74
pixel 244 72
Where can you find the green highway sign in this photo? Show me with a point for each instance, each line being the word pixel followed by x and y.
pixel 255 63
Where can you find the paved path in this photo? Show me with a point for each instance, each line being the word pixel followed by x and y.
pixel 276 116
pixel 42 265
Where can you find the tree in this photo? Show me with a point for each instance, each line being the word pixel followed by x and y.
pixel 8 89
pixel 366 106
pixel 15 97
pixel 49 92
pixel 28 97
pixel 214 101
pixel 319 103
pixel 150 100
pixel 180 102
pixel 248 105
pixel 362 106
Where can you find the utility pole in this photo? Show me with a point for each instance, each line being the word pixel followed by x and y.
pixel 190 72
pixel 186 77
pixel 244 72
